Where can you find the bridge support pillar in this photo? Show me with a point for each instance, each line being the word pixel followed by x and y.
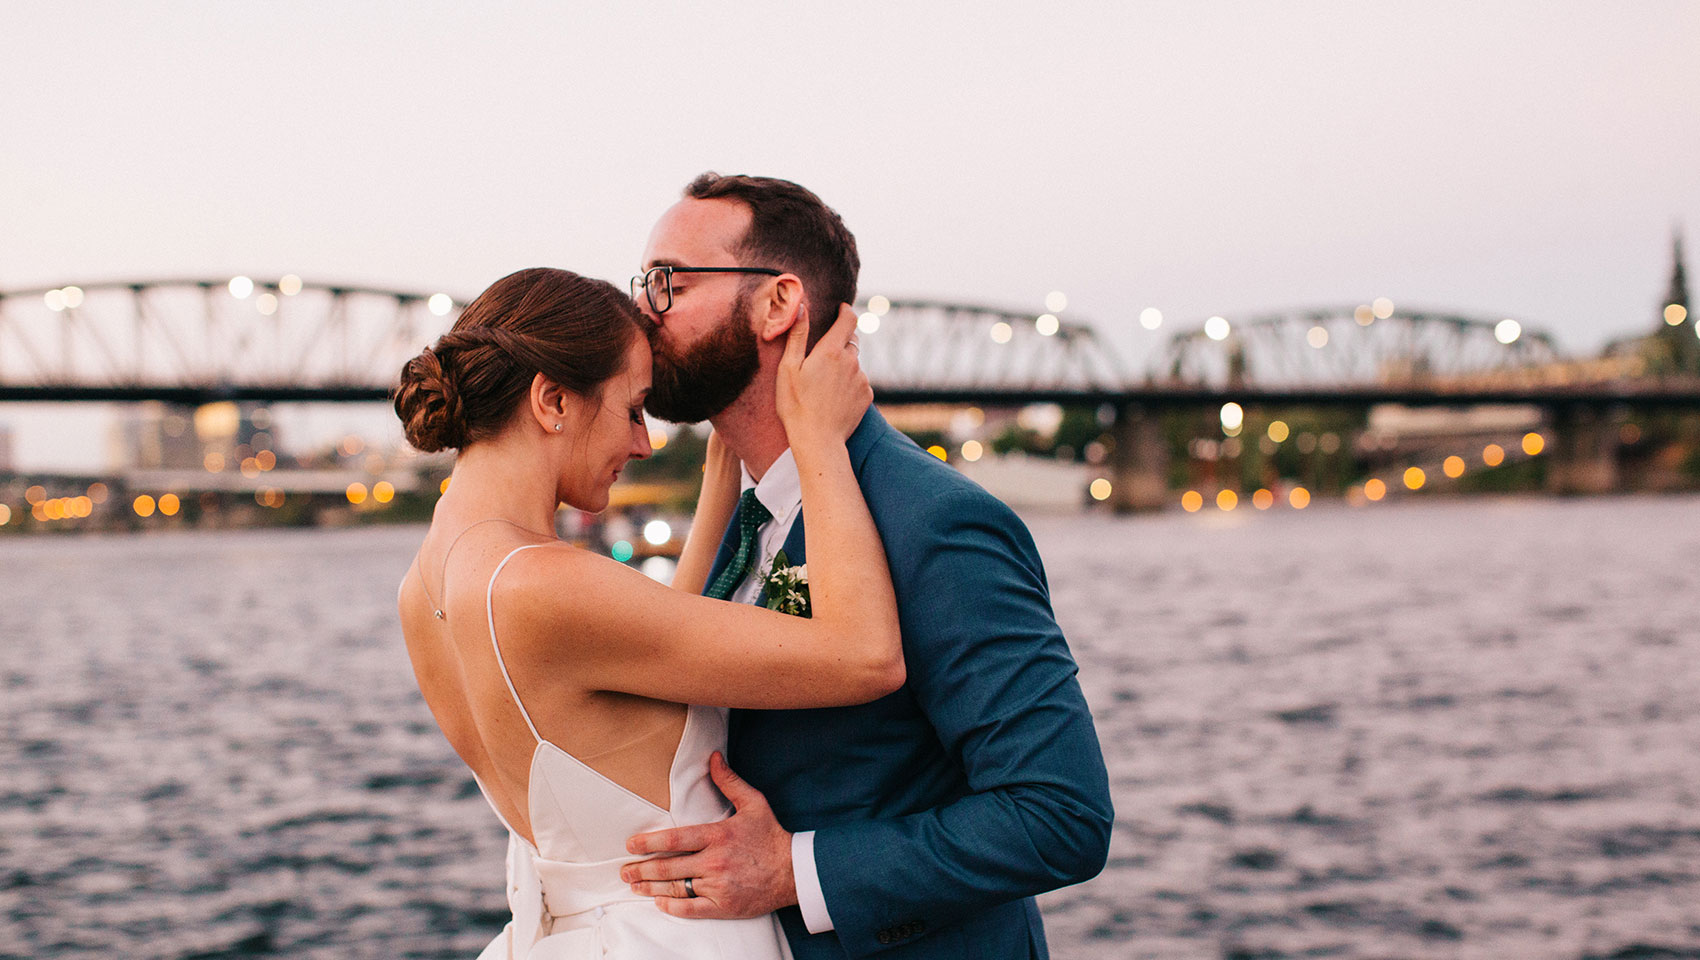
pixel 1584 455
pixel 1140 461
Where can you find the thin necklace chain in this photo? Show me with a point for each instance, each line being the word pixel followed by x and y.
pixel 437 611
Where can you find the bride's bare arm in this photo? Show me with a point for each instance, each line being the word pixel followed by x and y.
pixel 715 505
pixel 615 629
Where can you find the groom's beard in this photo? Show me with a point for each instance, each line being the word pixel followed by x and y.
pixel 705 379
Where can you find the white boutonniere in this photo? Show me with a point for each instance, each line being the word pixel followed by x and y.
pixel 787 587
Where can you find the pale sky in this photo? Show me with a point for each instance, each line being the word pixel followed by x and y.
pixel 1525 159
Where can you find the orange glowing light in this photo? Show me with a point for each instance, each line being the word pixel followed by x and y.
pixel 938 451
pixel 1415 478
pixel 356 493
pixel 1374 489
pixel 1227 500
pixel 1533 444
pixel 265 460
pixel 97 492
pixel 1192 501
pixel 35 495
pixel 383 491
pixel 1453 467
pixel 1493 455
pixel 169 504
pixel 1299 498
pixel 444 486
pixel 1263 499
pixel 144 506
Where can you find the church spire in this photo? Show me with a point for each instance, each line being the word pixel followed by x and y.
pixel 1678 280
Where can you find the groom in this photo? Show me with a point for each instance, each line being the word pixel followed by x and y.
pixel 928 819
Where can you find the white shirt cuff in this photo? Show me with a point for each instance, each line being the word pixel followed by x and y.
pixel 810 898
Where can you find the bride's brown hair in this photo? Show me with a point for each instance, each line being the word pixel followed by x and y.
pixel 466 387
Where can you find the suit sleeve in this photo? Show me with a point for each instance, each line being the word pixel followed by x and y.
pixel 993 674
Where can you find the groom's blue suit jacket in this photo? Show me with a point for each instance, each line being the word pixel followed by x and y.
pixel 942 809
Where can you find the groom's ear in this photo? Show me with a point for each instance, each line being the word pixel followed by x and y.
pixel 783 305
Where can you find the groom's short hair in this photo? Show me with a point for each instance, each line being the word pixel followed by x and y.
pixel 791 229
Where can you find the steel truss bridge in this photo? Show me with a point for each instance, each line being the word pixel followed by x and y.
pixel 196 340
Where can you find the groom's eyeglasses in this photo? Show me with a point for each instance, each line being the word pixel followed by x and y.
pixel 656 283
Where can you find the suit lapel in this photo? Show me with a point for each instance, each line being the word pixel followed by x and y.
pixel 728 547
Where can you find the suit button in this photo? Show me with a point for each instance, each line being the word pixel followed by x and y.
pixel 885 936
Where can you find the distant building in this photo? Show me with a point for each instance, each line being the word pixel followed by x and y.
pixel 214 437
pixel 1673 347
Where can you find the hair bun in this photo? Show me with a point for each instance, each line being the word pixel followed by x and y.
pixel 427 399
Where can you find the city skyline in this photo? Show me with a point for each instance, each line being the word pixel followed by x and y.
pixel 1530 160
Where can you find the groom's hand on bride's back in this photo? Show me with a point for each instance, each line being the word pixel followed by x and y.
pixel 738 867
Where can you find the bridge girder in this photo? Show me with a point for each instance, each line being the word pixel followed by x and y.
pixel 1352 347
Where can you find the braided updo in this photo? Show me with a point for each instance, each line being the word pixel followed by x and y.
pixel 468 385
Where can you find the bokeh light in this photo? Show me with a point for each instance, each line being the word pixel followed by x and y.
pixel 1533 444
pixel 1151 318
pixel 143 505
pixel 878 305
pixel 1192 501
pixel 240 287
pixel 657 532
pixel 620 550
pixel 1453 467
pixel 1278 431
pixel 1002 332
pixel 356 493
pixel 972 450
pixel 1263 499
pixel 1047 325
pixel 383 491
pixel 1493 455
pixel 1507 331
pixel 1299 497
pixel 169 504
pixel 1415 478
pixel 939 452
pixel 1227 500
pixel 1056 301
pixel 1374 489
pixel 1100 489
pixel 1675 313
pixel 1217 328
pixel 440 304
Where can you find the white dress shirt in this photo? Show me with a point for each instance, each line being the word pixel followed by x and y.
pixel 781 492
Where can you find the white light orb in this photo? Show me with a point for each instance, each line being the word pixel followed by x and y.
pixel 1233 416
pixel 289 285
pixel 55 300
pixel 878 305
pixel 868 322
pixel 1047 325
pixel 1002 332
pixel 440 304
pixel 266 303
pixel 1217 328
pixel 73 297
pixel 1382 308
pixel 1317 336
pixel 657 532
pixel 1151 318
pixel 241 287
pixel 1507 331
pixel 658 568
pixel 1056 301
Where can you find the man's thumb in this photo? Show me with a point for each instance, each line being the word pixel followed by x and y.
pixel 733 786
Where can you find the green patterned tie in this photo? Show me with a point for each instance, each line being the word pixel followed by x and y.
pixel 751 515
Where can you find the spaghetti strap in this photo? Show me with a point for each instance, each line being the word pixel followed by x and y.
pixel 490 616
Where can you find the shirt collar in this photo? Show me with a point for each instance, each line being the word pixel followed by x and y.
pixel 780 489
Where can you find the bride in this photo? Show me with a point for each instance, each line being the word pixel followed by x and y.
pixel 560 676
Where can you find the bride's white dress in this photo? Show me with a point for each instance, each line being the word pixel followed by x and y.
pixel 567 897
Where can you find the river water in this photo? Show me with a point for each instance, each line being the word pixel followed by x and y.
pixel 1430 729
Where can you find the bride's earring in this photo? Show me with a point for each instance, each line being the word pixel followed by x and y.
pixel 557 428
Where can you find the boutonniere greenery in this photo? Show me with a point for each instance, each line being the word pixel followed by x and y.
pixel 787 587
